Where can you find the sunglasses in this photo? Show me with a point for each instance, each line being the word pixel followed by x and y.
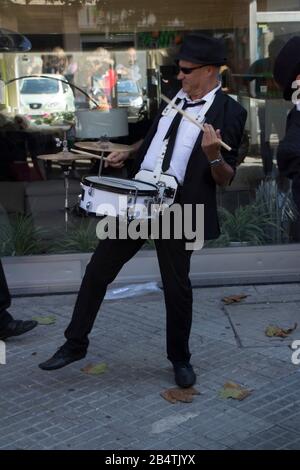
pixel 189 70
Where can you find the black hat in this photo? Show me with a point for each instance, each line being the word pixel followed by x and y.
pixel 201 49
pixel 287 66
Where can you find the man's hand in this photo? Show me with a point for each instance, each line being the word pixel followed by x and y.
pixel 116 159
pixel 210 142
pixel 222 173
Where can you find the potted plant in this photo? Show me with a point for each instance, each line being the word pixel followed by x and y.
pixel 19 237
pixel 246 226
pixel 280 207
pixel 80 238
pixel 264 221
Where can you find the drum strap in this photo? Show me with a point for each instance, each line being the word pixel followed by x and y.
pixel 200 118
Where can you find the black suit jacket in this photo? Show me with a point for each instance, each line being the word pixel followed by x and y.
pixel 288 154
pixel 199 186
pixel 4 292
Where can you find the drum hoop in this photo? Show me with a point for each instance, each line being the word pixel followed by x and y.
pixel 130 189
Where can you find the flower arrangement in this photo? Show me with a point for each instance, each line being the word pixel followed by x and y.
pixel 54 119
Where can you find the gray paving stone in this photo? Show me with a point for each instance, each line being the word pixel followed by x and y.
pixel 251 320
pixel 67 409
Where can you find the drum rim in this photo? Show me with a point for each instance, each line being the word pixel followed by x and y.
pixel 140 192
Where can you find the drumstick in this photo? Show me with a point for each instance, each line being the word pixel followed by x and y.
pixel 92 155
pixel 193 120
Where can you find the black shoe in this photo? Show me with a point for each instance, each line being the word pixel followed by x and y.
pixel 184 374
pixel 62 358
pixel 17 328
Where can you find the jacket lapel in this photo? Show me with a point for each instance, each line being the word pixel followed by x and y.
pixel 216 111
pixel 214 116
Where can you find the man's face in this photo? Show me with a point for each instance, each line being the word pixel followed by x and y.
pixel 199 79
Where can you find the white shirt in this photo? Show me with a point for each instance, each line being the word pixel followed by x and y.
pixel 187 135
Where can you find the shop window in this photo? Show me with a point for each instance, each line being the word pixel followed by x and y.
pixel 125 70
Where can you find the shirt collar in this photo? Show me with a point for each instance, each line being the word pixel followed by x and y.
pixel 182 95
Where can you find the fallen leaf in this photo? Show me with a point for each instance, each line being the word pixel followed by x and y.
pixel 235 391
pixel 94 369
pixel 234 298
pixel 273 330
pixel 185 395
pixel 49 320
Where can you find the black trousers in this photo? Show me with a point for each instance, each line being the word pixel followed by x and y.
pixel 5 300
pixel 105 264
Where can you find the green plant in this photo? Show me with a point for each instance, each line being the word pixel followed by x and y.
pixel 265 221
pixel 81 238
pixel 19 237
pixel 220 242
pixel 280 208
pixel 246 224
pixel 149 245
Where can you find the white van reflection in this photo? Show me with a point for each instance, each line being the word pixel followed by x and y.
pixel 40 95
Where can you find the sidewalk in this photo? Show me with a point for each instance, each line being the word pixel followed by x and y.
pixel 122 408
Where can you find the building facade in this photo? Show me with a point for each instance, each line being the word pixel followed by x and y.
pixel 119 55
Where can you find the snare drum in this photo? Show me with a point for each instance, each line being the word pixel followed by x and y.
pixel 104 195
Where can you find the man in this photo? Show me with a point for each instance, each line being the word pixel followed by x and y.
pixel 198 170
pixel 286 73
pixel 8 326
pixel 270 106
